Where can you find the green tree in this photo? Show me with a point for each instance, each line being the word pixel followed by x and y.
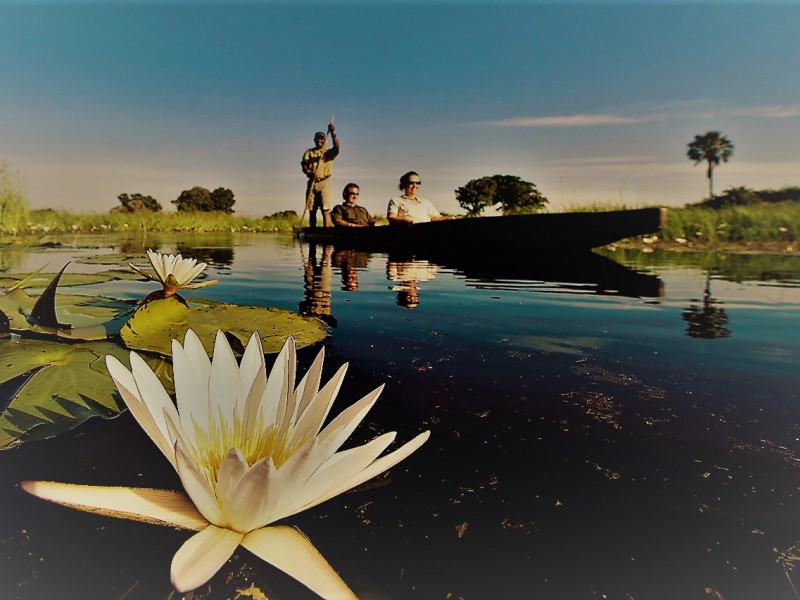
pixel 137 202
pixel 222 199
pixel 713 148
pixel 513 194
pixel 200 199
pixel 196 199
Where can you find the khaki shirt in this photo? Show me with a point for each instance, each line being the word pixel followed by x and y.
pixel 319 163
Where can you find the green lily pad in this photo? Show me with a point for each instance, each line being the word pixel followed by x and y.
pixel 67 384
pixel 90 317
pixel 156 323
pixel 41 280
pixel 121 275
pixel 48 387
pixel 112 259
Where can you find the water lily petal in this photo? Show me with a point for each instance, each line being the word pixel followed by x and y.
pixel 278 386
pixel 340 428
pixel 254 500
pixel 254 380
pixel 308 388
pixel 197 486
pixel 126 385
pixel 225 385
pixel 201 369
pixel 233 467
pixel 201 284
pixel 376 468
pixel 161 507
pixel 191 392
pixel 342 467
pixel 202 555
pixel 310 421
pixel 152 392
pixel 291 552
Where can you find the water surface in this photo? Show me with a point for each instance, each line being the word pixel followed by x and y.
pixel 625 426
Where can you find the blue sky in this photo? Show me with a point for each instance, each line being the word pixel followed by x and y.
pixel 593 102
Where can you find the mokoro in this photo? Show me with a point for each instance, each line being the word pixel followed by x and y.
pixel 572 232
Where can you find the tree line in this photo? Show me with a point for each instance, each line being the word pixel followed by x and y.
pixel 196 199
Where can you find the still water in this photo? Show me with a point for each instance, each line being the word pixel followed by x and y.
pixel 620 426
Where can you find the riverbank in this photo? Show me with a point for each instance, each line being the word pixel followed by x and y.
pixel 722 247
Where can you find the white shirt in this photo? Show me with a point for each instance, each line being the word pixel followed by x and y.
pixel 419 210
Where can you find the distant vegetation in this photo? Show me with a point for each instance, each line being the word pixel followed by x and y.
pixel 62 221
pixel 507 193
pixel 200 199
pixel 136 203
pixel 739 215
pixel 13 201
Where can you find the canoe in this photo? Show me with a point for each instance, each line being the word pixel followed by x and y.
pixel 573 231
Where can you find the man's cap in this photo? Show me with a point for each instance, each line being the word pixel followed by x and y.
pixel 319 134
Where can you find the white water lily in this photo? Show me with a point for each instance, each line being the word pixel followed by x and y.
pixel 249 450
pixel 174 272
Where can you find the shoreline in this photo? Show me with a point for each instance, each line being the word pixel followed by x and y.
pixel 782 248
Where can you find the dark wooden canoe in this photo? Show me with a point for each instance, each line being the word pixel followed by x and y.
pixel 572 232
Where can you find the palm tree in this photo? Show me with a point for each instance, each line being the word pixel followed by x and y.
pixel 712 148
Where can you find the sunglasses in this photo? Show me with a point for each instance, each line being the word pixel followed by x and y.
pixel 353 193
pixel 413 183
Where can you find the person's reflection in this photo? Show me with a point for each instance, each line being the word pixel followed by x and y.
pixel 349 261
pixel 317 285
pixel 706 320
pixel 407 275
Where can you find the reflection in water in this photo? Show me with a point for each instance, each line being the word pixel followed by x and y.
pixel 317 284
pixel 217 256
pixel 706 320
pixel 407 274
pixel 349 261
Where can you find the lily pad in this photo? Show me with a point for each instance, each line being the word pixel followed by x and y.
pixel 112 259
pixel 51 387
pixel 41 280
pixel 68 384
pixel 90 317
pixel 156 323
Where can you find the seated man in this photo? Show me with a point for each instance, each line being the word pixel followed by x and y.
pixel 348 214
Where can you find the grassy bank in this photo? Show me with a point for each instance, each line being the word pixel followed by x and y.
pixel 773 227
pixel 60 221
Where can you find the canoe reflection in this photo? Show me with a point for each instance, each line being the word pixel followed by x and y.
pixel 581 273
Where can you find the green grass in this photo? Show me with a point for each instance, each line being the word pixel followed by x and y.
pixel 60 221
pixel 779 221
pixel 13 201
pixel 765 222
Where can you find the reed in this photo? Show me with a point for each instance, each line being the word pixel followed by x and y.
pixel 13 201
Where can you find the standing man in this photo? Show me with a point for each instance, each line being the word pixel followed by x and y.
pixel 348 213
pixel 317 164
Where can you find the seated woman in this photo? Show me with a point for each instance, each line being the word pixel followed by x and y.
pixel 348 214
pixel 408 208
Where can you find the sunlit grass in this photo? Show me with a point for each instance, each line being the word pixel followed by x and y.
pixel 13 201
pixel 62 221
pixel 758 222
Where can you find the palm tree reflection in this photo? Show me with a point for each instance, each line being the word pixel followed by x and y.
pixel 706 320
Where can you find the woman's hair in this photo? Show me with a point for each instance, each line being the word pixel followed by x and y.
pixel 404 179
pixel 346 188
